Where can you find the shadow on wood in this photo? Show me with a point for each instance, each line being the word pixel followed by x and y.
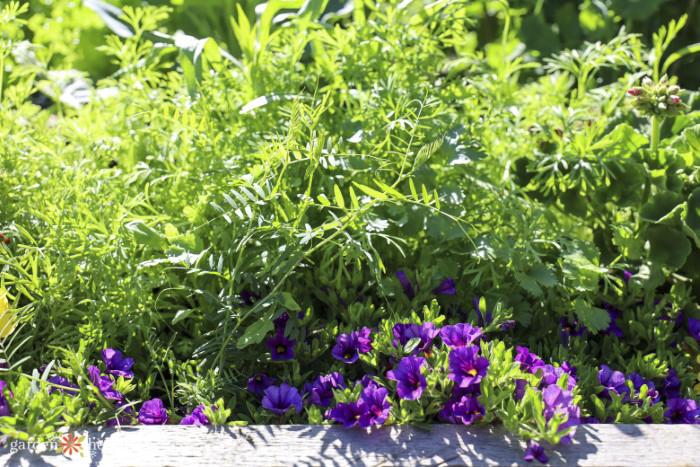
pixel 312 445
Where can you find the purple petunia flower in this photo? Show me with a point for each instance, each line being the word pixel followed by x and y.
pixel 374 406
pixel 347 413
pixel 410 381
pixel 348 347
pixel 104 384
pixel 551 374
pixel 569 329
pixel 535 451
pixel 520 387
pixel 249 297
pixel 258 383
pixel 446 287
pixel 558 401
pixel 406 284
pixel 672 385
pixel 280 399
pixel 126 417
pixel 280 347
pixel 426 332
pixel 116 365
pixel 61 381
pixel 638 382
pixel 153 413
pixel 321 391
pixel 465 410
pixel 197 417
pixel 614 381
pixel 694 329
pixel 281 322
pixel 467 369
pixel 529 361
pixel 682 411
pixel 460 335
pixel 4 404
pixel 613 328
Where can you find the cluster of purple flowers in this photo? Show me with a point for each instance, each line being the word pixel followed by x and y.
pixel 557 401
pixel 678 409
pixel 372 408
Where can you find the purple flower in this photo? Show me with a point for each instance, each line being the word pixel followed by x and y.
pixel 348 347
pixel 613 328
pixel 465 410
pixel 61 381
pixel 558 401
pixel 694 329
pixel 460 335
pixel 258 383
pixel 197 417
pixel 347 414
pixel 126 417
pixel 281 322
pixel 672 385
pixel 406 284
pixel 529 362
pixel 116 365
pixel 374 406
pixel 249 297
pixel 425 332
pixel 321 391
pixel 280 399
pixel 569 329
pixel 280 347
pixel 410 381
pixel 104 384
pixel 520 387
pixel 467 369
pixel 682 411
pixel 551 374
pixel 446 287
pixel 4 404
pixel 626 276
pixel 535 451
pixel 3 386
pixel 614 381
pixel 153 413
pixel 482 320
pixel 638 382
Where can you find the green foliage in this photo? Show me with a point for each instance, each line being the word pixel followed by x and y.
pixel 172 195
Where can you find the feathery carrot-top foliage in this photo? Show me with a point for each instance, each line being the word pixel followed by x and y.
pixel 327 189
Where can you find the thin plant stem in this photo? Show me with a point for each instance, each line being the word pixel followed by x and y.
pixel 655 133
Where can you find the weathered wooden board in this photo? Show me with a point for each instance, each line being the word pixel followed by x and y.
pixel 307 445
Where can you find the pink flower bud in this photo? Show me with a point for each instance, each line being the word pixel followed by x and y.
pixel 674 100
pixel 635 92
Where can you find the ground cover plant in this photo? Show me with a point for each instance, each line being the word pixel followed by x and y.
pixel 364 214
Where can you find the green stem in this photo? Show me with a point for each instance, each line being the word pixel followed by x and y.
pixel 655 133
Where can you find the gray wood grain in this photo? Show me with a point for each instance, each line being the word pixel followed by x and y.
pixel 307 445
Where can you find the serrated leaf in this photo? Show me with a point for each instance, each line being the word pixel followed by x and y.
pixel 529 284
pixel 543 275
pixel 594 318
